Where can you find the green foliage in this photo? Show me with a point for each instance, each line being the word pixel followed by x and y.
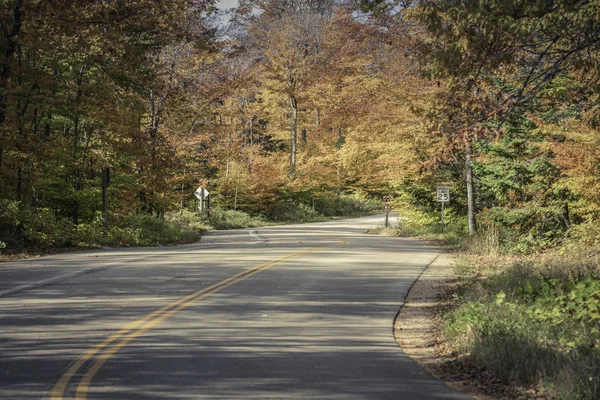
pixel 150 231
pixel 185 219
pixel 520 189
pixel 40 229
pixel 420 215
pixel 293 211
pixel 348 205
pixel 37 228
pixel 323 206
pixel 533 325
pixel 230 219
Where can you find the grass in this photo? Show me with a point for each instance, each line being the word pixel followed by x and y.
pixel 532 321
pixel 452 237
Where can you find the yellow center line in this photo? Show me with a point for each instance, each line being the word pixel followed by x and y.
pixel 83 387
pixel 60 387
pixel 142 325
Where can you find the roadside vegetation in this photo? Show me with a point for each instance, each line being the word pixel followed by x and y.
pixel 518 143
pixel 529 317
pixel 44 231
pixel 300 110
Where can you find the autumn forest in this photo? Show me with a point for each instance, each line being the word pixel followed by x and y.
pixel 114 112
pixel 295 109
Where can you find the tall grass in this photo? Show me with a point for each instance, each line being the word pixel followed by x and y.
pixel 534 320
pixel 530 318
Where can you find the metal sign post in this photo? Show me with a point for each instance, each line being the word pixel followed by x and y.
pixel 387 201
pixel 443 196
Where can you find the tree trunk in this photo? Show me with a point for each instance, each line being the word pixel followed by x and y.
pixel 293 134
pixel 19 182
pixel 75 213
pixel 340 138
pixel 318 120
pixel 252 130
pixel 11 46
pixel 105 183
pixel 565 216
pixel 470 189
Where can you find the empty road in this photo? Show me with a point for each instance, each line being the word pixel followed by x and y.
pixel 287 312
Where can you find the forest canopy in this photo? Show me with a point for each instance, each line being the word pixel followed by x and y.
pixel 294 109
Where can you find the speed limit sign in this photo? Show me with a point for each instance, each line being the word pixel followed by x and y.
pixel 443 194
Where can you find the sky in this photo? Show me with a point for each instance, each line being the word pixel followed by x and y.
pixel 226 4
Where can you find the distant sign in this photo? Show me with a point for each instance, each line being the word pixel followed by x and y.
pixel 443 194
pixel 201 193
pixel 387 199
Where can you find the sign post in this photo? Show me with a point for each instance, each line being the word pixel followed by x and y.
pixel 387 201
pixel 443 196
pixel 203 200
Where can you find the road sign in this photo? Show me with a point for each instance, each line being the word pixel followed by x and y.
pixel 443 194
pixel 387 199
pixel 201 193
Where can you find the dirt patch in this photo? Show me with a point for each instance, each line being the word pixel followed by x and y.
pixel 418 332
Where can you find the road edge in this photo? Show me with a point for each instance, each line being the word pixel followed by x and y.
pixel 417 325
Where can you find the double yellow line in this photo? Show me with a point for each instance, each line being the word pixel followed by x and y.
pixel 102 352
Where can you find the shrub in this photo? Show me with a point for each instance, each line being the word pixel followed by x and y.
pixel 528 229
pixel 185 219
pixel 292 211
pixel 356 204
pixel 230 219
pixel 151 231
pixel 121 237
pixel 89 234
pixel 529 326
pixel 26 227
pixel 188 236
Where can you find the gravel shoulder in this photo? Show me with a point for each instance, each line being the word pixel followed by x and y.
pixel 418 331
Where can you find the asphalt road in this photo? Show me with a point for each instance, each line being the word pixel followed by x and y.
pixel 288 312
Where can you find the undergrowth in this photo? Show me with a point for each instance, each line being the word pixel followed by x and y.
pixel 531 320
pixel 530 315
pixel 34 231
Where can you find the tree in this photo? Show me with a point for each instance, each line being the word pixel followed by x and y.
pixel 496 59
pixel 290 40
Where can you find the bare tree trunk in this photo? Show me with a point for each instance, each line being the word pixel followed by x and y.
pixel 318 120
pixel 11 46
pixel 153 129
pixel 19 182
pixel 105 183
pixel 293 134
pixel 565 216
pixel 235 199
pixel 252 130
pixel 340 138
pixel 229 143
pixel 182 194
pixel 470 189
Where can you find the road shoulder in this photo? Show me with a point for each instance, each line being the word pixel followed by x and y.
pixel 418 325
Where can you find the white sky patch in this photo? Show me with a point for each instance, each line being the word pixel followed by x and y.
pixel 226 4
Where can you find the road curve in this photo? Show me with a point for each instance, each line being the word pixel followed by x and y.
pixel 288 312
